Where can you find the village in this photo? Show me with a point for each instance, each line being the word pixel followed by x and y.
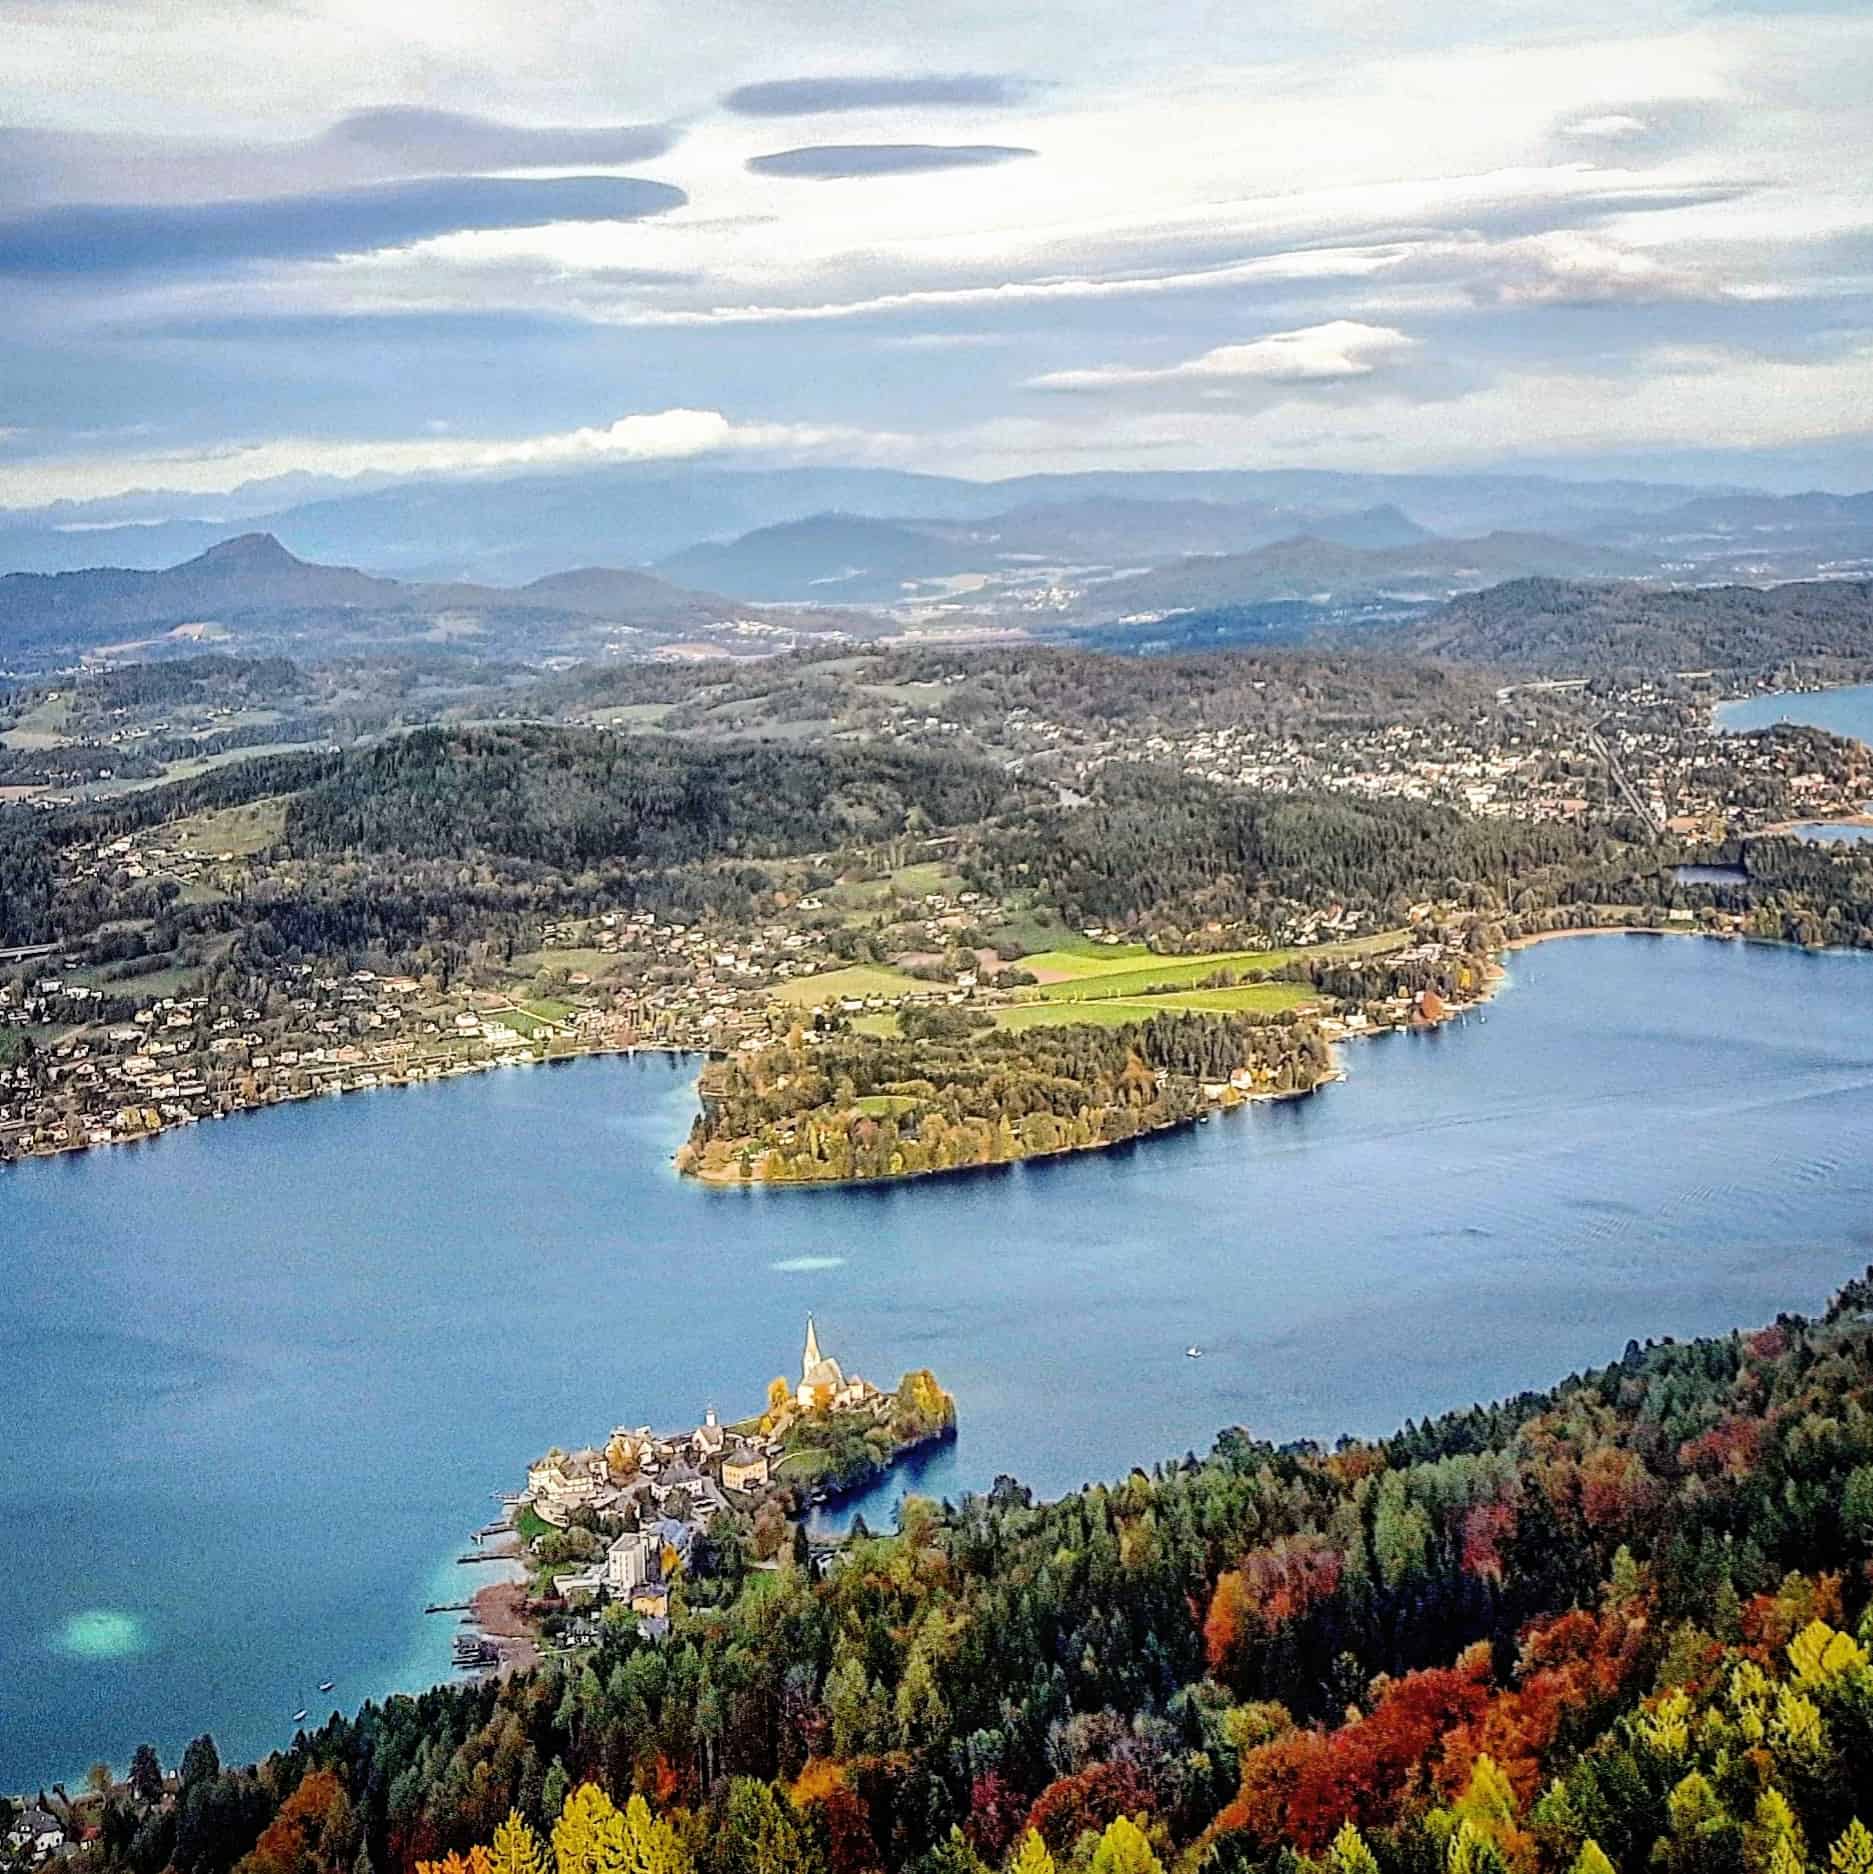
pixel 100 1044
pixel 624 1524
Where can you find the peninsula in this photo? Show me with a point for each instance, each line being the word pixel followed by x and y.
pixel 626 1523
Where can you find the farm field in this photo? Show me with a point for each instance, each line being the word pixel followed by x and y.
pixel 1113 1011
pixel 860 979
pixel 1119 971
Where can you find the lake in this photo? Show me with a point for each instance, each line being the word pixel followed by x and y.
pixel 1832 832
pixel 262 1376
pixel 1847 710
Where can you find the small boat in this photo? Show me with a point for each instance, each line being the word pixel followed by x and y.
pixel 325 1685
pixel 1193 1353
pixel 299 1717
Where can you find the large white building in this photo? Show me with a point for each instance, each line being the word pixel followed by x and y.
pixel 628 1561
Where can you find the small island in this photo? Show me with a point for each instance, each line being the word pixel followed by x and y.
pixel 646 1516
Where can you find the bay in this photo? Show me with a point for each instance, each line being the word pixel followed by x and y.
pixel 258 1379
pixel 1845 710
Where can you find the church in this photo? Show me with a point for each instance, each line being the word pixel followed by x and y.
pixel 823 1381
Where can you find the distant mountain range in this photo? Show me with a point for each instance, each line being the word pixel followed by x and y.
pixel 1214 558
pixel 509 529
pixel 860 559
pixel 252 592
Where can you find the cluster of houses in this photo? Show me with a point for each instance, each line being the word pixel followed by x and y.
pixel 669 1490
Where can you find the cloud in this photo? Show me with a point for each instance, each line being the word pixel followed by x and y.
pixel 43 168
pixel 655 436
pixel 416 138
pixel 1609 126
pixel 1660 397
pixel 121 237
pixel 808 97
pixel 831 162
pixel 1332 353
pixel 1571 268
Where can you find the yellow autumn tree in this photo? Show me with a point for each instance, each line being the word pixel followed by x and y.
pixel 594 1836
pixel 1853 1852
pixel 1820 1655
pixel 1123 1849
pixel 1591 1859
pixel 515 1848
pixel 474 1862
pixel 1772 1843
pixel 1349 1854
pixel 588 1838
pixel 1031 1856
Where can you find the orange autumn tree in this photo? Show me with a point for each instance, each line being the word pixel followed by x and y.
pixel 312 1832
pixel 1269 1589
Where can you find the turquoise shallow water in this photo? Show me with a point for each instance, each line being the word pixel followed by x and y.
pixel 260 1378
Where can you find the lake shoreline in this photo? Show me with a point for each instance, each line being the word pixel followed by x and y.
pixel 1710 1174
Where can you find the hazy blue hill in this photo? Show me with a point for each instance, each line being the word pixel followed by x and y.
pixel 253 590
pixel 836 558
pixel 1308 567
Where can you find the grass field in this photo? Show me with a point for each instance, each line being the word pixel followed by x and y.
pixel 632 715
pixel 165 981
pixel 911 881
pixel 860 979
pixel 1112 1011
pixel 1130 978
pixel 45 725
pixel 1086 958
pixel 588 962
pixel 1118 971
pixel 884 1105
pixel 519 1020
pixel 242 831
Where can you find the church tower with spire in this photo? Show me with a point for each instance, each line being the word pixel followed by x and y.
pixel 820 1379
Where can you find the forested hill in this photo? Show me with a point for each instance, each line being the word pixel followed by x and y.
pixel 570 797
pixel 1156 840
pixel 1611 1626
pixel 1567 628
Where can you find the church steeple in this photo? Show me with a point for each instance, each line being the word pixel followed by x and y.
pixel 810 1359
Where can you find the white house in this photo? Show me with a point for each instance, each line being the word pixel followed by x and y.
pixel 36 1834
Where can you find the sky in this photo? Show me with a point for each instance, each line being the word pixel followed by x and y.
pixel 249 239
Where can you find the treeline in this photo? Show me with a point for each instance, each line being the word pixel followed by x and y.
pixel 1621 1624
pixel 837 1107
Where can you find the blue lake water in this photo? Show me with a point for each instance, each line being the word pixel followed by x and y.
pixel 260 1378
pixel 1833 832
pixel 1847 710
